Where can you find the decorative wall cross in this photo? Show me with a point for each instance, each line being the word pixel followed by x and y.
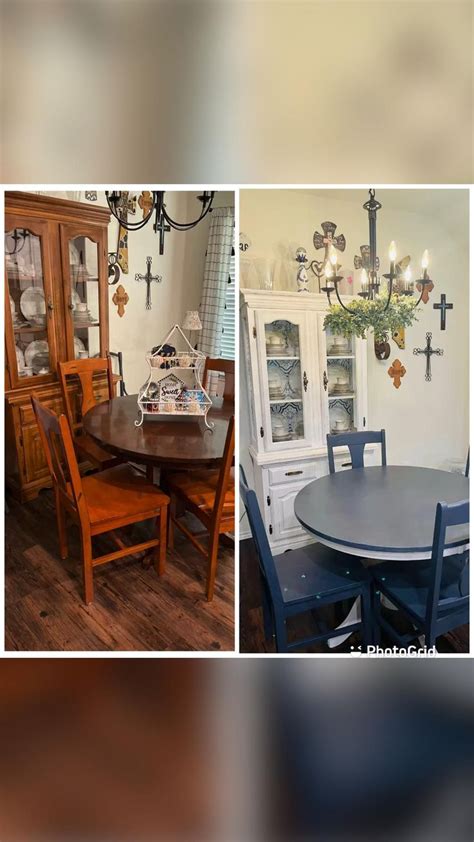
pixel 397 371
pixel 148 277
pixel 363 262
pixel 120 299
pixel 428 352
pixel 146 202
pixel 443 307
pixel 425 290
pixel 325 240
pixel 125 205
pixel 163 229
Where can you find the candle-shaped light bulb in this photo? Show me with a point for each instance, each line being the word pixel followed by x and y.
pixel 364 281
pixel 333 256
pixel 328 269
pixel 392 252
pixel 408 281
pixel 425 260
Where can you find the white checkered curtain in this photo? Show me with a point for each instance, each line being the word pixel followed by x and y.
pixel 216 278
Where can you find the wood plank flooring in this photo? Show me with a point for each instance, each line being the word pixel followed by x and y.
pixel 251 622
pixel 134 609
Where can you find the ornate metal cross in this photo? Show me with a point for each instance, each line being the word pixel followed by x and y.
pixel 428 352
pixel 325 240
pixel 443 307
pixel 148 277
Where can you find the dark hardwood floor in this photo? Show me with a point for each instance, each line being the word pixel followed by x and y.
pixel 251 622
pixel 133 609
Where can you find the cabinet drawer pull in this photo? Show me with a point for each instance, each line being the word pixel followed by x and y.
pixel 292 473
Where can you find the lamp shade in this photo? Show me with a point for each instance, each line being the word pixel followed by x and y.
pixel 192 320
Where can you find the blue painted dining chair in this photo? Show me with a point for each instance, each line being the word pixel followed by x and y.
pixel 356 443
pixel 433 594
pixel 304 580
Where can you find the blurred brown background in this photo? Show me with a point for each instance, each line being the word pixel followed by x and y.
pixel 244 91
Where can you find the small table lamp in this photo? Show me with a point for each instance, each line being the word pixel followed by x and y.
pixel 191 322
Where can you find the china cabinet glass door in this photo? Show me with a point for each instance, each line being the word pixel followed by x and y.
pixel 85 284
pixel 283 356
pixel 30 306
pixel 341 382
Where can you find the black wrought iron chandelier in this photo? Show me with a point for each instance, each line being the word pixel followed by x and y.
pixel 152 203
pixel 398 278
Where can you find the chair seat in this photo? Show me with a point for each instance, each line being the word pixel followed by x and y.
pixel 94 452
pixel 200 487
pixel 120 493
pixel 408 582
pixel 317 570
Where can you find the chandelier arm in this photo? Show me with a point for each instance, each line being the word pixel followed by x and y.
pixel 185 226
pixel 390 290
pixel 132 226
pixel 352 312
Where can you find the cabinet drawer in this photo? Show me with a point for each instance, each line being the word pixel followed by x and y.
pixel 296 472
pixel 27 415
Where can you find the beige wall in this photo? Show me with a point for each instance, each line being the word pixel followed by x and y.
pixel 426 423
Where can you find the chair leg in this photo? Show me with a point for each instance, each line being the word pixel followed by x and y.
pixel 62 530
pixel 367 618
pixel 171 527
pixel 160 551
pixel 280 633
pixel 212 563
pixel 267 614
pixel 87 569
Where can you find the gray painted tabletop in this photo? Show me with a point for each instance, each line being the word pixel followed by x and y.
pixel 381 512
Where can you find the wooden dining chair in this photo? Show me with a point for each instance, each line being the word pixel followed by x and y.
pixel 433 594
pixel 225 367
pixel 303 580
pixel 98 503
pixel 210 496
pixel 356 443
pixel 85 370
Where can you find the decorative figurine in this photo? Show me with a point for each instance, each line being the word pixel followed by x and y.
pixel 301 275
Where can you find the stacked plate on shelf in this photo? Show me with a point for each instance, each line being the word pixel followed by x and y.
pixel 83 317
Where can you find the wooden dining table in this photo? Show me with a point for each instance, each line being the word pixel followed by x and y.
pixel 160 443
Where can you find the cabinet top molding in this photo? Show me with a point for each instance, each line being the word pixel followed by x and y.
pixel 273 299
pixel 50 207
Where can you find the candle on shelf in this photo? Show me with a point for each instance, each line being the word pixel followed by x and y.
pixel 364 281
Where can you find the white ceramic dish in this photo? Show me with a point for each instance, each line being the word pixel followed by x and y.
pixel 32 302
pixel 38 346
pixel 339 414
pixel 78 346
pixel 20 358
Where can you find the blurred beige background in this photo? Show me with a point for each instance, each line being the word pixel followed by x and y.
pixel 244 91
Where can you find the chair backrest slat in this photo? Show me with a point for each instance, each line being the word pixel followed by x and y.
pixel 455 514
pixel 224 472
pixel 259 535
pixel 225 367
pixel 60 454
pixel 356 443
pixel 84 370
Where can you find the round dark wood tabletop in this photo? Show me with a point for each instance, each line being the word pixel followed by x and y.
pixel 158 442
pixel 382 512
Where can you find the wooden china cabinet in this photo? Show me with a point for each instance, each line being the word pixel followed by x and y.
pixel 56 308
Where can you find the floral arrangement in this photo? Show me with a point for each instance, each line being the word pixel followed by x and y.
pixel 371 315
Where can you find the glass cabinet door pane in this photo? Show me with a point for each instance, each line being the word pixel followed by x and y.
pixel 29 302
pixel 341 382
pixel 84 300
pixel 284 379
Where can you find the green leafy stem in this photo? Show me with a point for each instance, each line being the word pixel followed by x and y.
pixel 371 315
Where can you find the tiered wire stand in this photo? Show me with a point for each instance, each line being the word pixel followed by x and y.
pixel 193 402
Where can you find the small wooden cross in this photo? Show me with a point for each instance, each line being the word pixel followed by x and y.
pixel 146 202
pixel 163 229
pixel 425 289
pixel 443 307
pixel 148 277
pixel 428 352
pixel 120 299
pixel 397 371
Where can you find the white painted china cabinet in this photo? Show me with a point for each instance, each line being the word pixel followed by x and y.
pixel 302 383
